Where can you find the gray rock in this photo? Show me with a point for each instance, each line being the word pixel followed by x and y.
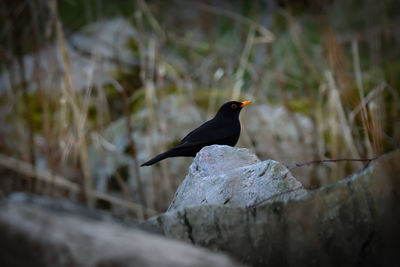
pixel 95 52
pixel 224 175
pixel 31 235
pixel 354 222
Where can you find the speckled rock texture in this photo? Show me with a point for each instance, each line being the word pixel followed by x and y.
pixel 224 175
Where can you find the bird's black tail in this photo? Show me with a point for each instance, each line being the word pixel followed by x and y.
pixel 170 153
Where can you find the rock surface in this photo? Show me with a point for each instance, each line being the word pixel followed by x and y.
pixel 355 222
pixel 224 175
pixel 34 235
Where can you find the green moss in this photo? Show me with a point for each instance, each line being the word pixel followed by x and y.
pixel 138 103
pixel 92 113
pixel 302 105
pixel 130 80
pixel 35 111
pixel 133 47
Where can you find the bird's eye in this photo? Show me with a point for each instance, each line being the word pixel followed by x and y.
pixel 234 106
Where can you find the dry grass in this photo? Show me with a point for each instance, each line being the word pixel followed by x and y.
pixel 353 115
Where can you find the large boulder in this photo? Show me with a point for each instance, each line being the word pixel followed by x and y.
pixel 355 222
pixel 224 175
pixel 53 233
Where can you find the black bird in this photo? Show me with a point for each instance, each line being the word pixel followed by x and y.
pixel 223 129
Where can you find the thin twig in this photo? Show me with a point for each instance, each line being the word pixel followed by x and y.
pixel 330 160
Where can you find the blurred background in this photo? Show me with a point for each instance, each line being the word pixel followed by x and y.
pixel 89 89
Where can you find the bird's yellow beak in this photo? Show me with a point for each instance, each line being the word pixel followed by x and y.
pixel 245 103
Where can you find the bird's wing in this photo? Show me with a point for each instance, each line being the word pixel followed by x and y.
pixel 205 134
pixel 197 131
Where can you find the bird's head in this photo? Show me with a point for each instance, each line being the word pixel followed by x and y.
pixel 232 108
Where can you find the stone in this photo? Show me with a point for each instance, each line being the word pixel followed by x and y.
pixel 224 175
pixel 354 222
pixel 34 235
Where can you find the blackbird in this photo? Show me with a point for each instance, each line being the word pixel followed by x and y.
pixel 223 129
